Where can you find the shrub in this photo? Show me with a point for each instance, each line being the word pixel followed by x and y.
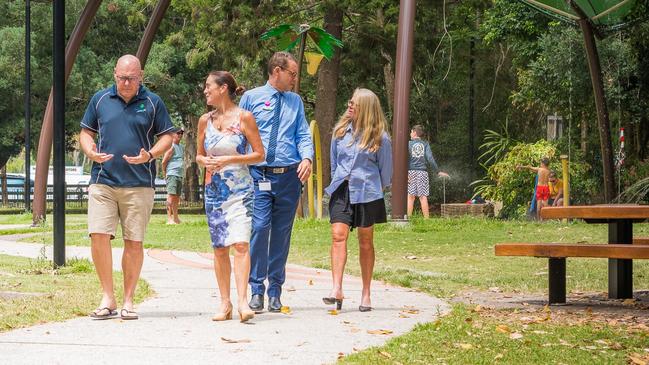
pixel 514 187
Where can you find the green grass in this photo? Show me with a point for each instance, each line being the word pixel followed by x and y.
pixel 464 337
pixel 443 257
pixel 439 256
pixel 64 293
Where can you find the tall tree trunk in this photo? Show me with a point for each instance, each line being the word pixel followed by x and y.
pixel 471 124
pixel 388 75
pixel 584 133
pixel 3 177
pixel 325 106
pixel 191 182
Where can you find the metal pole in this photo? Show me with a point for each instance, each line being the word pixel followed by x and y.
pixel 58 76
pixel 400 128
pixel 28 111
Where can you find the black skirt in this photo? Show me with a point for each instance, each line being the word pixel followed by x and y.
pixel 355 215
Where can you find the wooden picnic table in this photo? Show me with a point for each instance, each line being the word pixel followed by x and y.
pixel 620 219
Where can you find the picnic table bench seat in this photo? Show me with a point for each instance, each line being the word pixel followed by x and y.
pixel 641 241
pixel 558 252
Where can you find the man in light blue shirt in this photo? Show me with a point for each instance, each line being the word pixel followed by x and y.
pixel 278 180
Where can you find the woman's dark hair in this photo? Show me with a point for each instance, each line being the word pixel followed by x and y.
pixel 226 78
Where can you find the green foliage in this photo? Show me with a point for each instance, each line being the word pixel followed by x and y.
pixel 509 185
pixel 495 145
pixel 513 187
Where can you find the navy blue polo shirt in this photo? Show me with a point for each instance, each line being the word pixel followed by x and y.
pixel 123 129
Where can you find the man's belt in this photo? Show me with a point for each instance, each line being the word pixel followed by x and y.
pixel 277 169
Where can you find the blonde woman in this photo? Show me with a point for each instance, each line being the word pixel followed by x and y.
pixel 361 168
pixel 224 136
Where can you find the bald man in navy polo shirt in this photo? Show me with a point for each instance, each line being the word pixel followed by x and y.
pixel 125 119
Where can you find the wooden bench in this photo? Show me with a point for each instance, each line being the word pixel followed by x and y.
pixel 641 241
pixel 558 252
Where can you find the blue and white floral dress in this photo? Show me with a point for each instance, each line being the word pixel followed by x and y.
pixel 229 196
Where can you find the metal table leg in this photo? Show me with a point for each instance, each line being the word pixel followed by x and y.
pixel 620 271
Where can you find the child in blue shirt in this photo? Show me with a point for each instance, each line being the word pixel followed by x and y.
pixel 420 157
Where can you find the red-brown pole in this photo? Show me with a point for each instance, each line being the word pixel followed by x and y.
pixel 150 31
pixel 45 139
pixel 401 116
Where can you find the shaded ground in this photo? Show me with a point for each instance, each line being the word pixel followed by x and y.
pixel 582 307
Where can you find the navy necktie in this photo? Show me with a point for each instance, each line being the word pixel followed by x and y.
pixel 272 143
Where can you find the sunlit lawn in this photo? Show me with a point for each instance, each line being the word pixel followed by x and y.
pixel 443 257
pixel 32 292
pixel 439 256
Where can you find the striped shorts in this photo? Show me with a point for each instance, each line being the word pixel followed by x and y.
pixel 418 184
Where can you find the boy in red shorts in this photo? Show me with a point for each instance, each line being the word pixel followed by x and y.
pixel 542 186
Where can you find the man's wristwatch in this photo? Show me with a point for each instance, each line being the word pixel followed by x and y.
pixel 150 156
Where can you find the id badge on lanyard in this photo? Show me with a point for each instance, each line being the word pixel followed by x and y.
pixel 264 185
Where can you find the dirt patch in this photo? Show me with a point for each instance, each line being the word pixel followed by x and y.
pixel 582 307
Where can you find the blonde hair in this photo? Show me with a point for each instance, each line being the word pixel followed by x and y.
pixel 370 123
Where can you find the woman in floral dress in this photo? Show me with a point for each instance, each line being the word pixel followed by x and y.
pixel 224 136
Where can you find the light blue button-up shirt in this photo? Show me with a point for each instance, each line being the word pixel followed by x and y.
pixel 368 172
pixel 294 137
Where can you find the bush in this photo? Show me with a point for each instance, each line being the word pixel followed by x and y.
pixel 514 188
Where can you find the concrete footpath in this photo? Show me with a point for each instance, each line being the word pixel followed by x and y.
pixel 175 325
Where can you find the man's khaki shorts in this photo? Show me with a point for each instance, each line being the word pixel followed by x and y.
pixel 131 206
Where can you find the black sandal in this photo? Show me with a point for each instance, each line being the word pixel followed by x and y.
pixel 103 313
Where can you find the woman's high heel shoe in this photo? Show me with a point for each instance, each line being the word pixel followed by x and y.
pixel 333 300
pixel 223 315
pixel 246 315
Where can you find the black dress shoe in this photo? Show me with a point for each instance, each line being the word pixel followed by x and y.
pixel 274 305
pixel 257 303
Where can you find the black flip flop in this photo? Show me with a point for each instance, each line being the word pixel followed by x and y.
pixel 107 313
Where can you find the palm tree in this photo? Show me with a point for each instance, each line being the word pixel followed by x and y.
pixel 290 35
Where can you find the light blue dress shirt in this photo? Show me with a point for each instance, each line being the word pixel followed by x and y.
pixel 368 172
pixel 294 137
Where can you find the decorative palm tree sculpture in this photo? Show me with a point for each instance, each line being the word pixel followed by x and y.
pixel 290 35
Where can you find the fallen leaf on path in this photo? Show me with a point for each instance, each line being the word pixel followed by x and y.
pixel 333 312
pixel 290 288
pixel 630 301
pixel 341 355
pixel 310 281
pixel 494 289
pixel 410 311
pixel 229 340
pixel 354 330
pixel 379 332
pixel 285 309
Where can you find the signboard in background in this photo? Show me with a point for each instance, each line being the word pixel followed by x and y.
pixel 73 175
